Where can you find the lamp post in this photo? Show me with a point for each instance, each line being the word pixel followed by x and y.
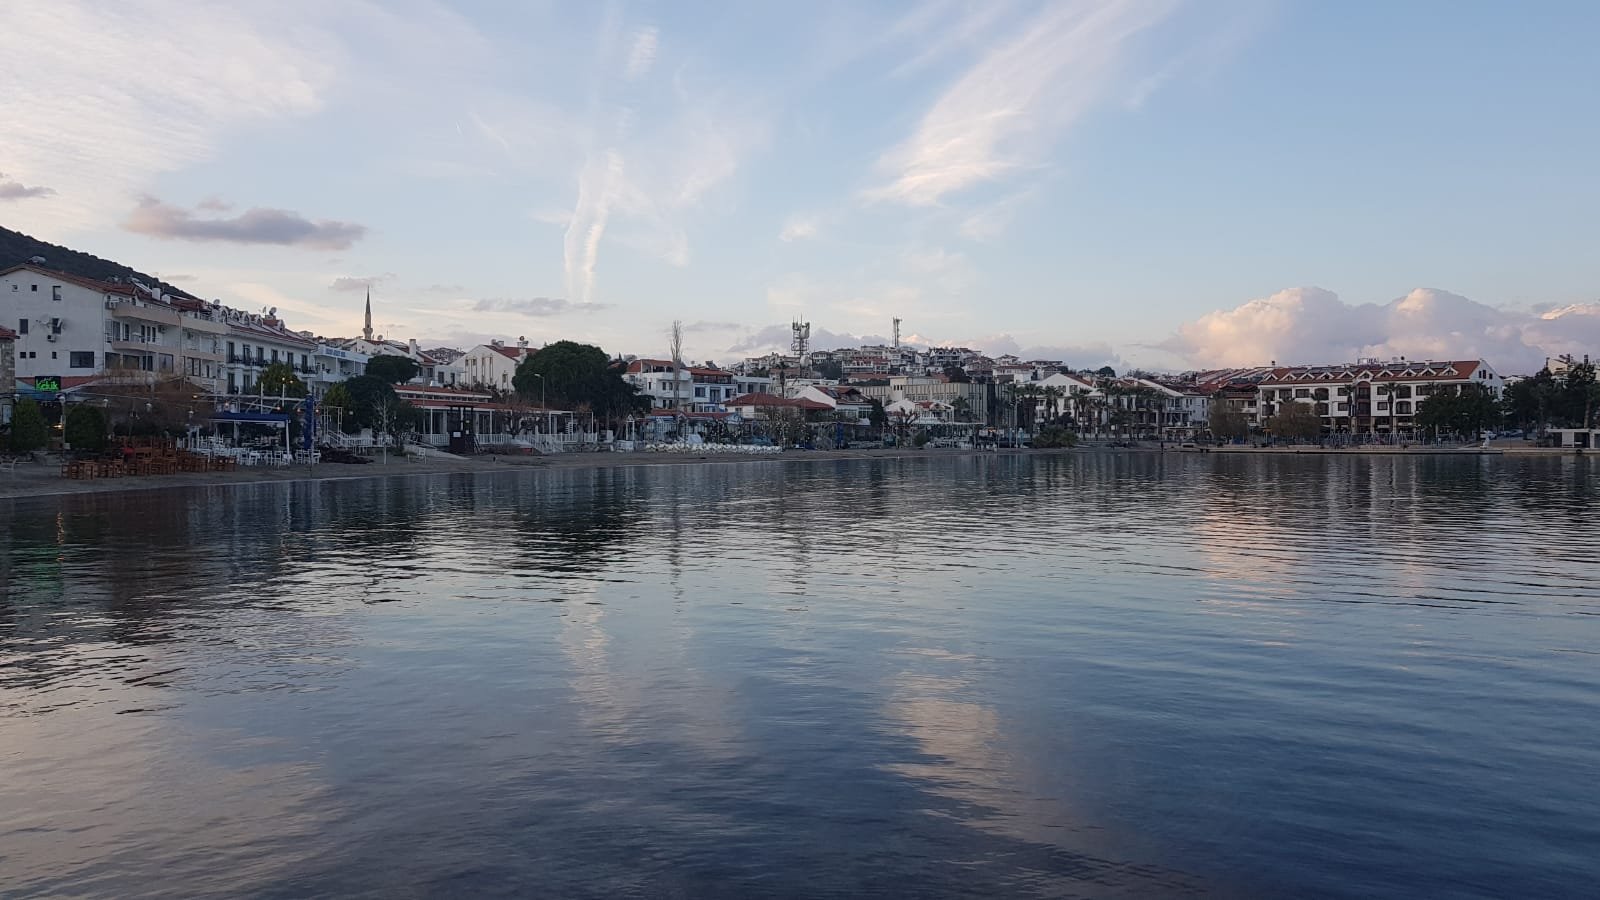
pixel 543 407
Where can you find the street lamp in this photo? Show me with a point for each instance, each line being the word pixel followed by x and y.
pixel 543 407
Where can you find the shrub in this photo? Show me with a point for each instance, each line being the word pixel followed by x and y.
pixel 85 428
pixel 1054 436
pixel 28 431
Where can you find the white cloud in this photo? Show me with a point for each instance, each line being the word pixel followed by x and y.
pixel 119 93
pixel 990 220
pixel 1008 108
pixel 643 54
pixel 798 228
pixel 1311 325
pixel 104 98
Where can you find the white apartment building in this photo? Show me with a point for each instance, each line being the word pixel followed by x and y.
pixel 332 365
pixel 492 365
pixel 662 381
pixel 255 341
pixel 1370 396
pixel 70 326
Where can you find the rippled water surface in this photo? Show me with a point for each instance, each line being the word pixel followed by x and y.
pixel 1084 675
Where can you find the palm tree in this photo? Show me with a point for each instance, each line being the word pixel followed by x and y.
pixel 1052 401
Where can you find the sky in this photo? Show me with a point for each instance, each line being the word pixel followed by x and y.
pixel 1151 183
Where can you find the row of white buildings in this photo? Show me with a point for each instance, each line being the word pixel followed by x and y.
pixel 66 329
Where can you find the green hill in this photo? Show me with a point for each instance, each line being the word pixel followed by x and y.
pixel 16 247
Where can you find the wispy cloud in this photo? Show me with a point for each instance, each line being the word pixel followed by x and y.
pixel 1005 111
pixel 16 190
pixel 798 228
pixel 224 69
pixel 359 282
pixel 989 221
pixel 539 307
pixel 643 54
pixel 154 218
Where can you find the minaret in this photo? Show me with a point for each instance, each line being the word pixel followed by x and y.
pixel 367 331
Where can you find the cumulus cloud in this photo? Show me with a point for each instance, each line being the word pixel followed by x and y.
pixel 16 190
pixel 280 227
pixel 359 282
pixel 1311 325
pixel 536 306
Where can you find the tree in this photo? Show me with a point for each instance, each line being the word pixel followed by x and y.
pixel 573 374
pixel 1295 421
pixel 1106 371
pixel 961 408
pixel 957 375
pixel 876 415
pixel 338 398
pixel 1466 410
pixel 279 379
pixel 1529 402
pixel 85 428
pixel 675 349
pixel 391 368
pixel 831 369
pixel 1227 422
pixel 28 430
pixel 1053 437
pixel 370 402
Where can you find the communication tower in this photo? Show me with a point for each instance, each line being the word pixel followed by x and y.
pixel 801 345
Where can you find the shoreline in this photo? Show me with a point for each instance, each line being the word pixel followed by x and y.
pixel 31 480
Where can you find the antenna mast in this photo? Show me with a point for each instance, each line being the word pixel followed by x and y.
pixel 801 344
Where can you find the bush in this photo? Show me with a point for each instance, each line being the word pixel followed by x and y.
pixel 85 428
pixel 1053 437
pixel 28 431
pixel 920 440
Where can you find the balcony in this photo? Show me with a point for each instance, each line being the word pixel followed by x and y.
pixel 123 309
pixel 136 343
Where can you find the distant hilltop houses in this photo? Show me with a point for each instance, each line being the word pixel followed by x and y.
pixel 61 332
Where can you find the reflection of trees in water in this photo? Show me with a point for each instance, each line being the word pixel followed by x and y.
pixel 573 520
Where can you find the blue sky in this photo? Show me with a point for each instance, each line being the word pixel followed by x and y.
pixel 1148 182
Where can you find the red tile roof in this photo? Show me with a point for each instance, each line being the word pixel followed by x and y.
pixel 771 400
pixel 7 334
pixel 1391 371
pixel 104 287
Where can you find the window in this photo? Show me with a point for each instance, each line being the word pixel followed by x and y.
pixel 81 359
pixel 55 292
pixel 233 384
pixel 1344 407
pixel 1383 407
pixel 700 392
pixel 22 326
pixel 34 288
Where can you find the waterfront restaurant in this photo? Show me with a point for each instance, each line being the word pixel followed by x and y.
pixel 461 420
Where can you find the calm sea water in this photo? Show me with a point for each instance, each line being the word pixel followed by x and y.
pixel 1087 675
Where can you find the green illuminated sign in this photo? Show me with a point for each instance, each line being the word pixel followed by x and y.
pixel 47 383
